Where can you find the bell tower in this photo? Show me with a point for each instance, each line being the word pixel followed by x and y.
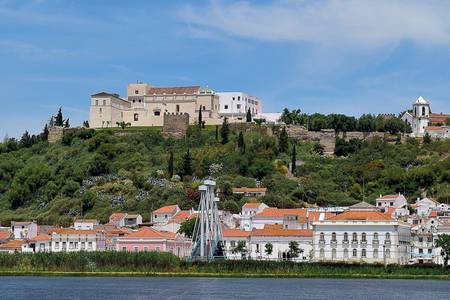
pixel 421 108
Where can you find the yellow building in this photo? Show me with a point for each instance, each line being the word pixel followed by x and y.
pixel 145 105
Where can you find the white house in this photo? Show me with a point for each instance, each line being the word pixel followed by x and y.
pixel 248 211
pixel 165 213
pixel 24 230
pixel 85 224
pixel 73 240
pixel 125 219
pixel 234 105
pixel 424 207
pixel 231 238
pixel 362 236
pixel 395 205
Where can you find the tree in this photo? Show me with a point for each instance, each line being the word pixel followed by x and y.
pixel 248 117
pixel 44 134
pixel 427 138
pixel 59 120
pixel 241 248
pixel 217 132
pixel 443 242
pixel 294 250
pixel 186 167
pixel 394 125
pixel 86 124
pixel 241 142
pixel 367 123
pixel 268 249
pixel 294 159
pixel 25 140
pixel 123 125
pixel 170 165
pixel 447 122
pixel 283 143
pixel 225 131
pixel 187 227
pixel 67 124
pixel 200 121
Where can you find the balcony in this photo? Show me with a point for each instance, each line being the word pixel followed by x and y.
pixel 321 243
pixel 345 244
pixel 333 244
pixel 354 244
pixel 375 243
pixel 387 243
pixel 364 244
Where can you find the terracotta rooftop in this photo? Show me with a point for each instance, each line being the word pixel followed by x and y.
pixel 236 232
pixel 435 128
pixel 249 190
pixel 252 205
pixel 72 231
pixel 86 221
pixel 174 90
pixel 353 215
pixel 166 209
pixel 315 215
pixel 115 217
pixel 439 118
pixel 278 230
pixel 12 244
pixel 389 197
pixel 5 234
pixel 183 215
pixel 42 237
pixel 273 212
pixel 148 232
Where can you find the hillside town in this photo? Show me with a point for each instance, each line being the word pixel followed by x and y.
pixel 391 232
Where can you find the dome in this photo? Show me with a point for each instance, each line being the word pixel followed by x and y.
pixel 421 100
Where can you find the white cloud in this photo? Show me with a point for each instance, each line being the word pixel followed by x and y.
pixel 355 23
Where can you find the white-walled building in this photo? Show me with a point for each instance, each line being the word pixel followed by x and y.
pixel 395 205
pixel 248 211
pixel 234 105
pixel 72 240
pixel 362 236
pixel 24 230
pixel 85 224
pixel 125 219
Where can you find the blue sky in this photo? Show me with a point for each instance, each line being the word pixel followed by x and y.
pixel 324 56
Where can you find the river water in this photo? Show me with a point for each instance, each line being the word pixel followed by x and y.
pixel 218 288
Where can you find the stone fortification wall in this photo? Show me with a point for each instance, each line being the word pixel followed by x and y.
pixel 175 124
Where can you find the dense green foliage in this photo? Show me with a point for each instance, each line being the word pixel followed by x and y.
pixel 94 173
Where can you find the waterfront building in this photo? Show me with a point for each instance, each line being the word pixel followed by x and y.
pixel 150 239
pixel 362 236
pixel 12 246
pixel 234 105
pixel 231 239
pixel 73 240
pixel 164 214
pixel 248 211
pixel 24 230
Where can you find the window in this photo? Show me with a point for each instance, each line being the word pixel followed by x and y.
pixel 140 100
pixel 322 253
pixel 177 108
pixel 391 204
pixel 204 107
pixel 375 253
pixel 429 239
pixel 165 216
pixel 333 253
pixel 345 253
pixel 124 248
pixel 100 110
pixel 363 237
pixel 233 244
pixel 135 249
pixel 430 251
pixel 375 236
pixel 134 101
pixel 322 237
pixel 226 106
pixel 420 239
pixel 355 253
pixel 104 102
pixel 388 236
pixel 423 111
pixel 89 245
pixel 333 237
pixel 238 106
pixel 354 237
pixel 136 117
pixel 257 248
pixel 388 253
pixel 83 245
pixel 363 252
pixel 345 237
pixel 96 102
pixel 420 250
pixel 157 113
pixel 239 98
pixel 136 92
pixel 233 98
pixel 56 245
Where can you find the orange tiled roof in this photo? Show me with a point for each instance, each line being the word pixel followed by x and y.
pixel 42 237
pixel 278 230
pixel 389 197
pixel 273 212
pixel 390 210
pixel 174 90
pixel 249 190
pixel 86 221
pixel 236 232
pixel 433 214
pixel 252 205
pixel 183 215
pixel 166 209
pixel 315 215
pixel 435 128
pixel 5 234
pixel 361 215
pixel 439 118
pixel 12 244
pixel 148 232
pixel 117 217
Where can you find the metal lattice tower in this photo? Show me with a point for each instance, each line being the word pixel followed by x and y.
pixel 208 230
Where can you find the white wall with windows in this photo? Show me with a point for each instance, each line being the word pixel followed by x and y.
pixel 235 105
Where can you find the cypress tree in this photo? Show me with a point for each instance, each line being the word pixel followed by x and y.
pixel 283 142
pixel 59 121
pixel 217 132
pixel 200 120
pixel 44 134
pixel 294 160
pixel 249 116
pixel 241 142
pixel 187 164
pixel 170 165
pixel 225 131
pixel 66 124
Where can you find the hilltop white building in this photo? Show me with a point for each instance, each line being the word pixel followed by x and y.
pixel 234 105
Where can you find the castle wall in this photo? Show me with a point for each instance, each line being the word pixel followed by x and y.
pixel 175 124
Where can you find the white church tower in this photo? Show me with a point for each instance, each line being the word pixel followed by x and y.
pixel 420 116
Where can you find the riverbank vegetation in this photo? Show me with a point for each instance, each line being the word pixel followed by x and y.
pixel 166 264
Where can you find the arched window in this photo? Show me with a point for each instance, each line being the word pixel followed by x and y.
pixel 388 253
pixel 355 237
pixel 388 236
pixel 363 252
pixel 333 237
pixel 345 237
pixel 322 253
pixel 333 254
pixel 375 253
pixel 355 253
pixel 345 253
pixel 363 237
pixel 423 111
pixel 322 237
pixel 375 236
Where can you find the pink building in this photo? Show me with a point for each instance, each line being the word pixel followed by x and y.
pixel 149 239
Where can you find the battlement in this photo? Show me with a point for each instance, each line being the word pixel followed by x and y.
pixel 175 124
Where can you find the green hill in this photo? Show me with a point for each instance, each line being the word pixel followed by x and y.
pixel 97 172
